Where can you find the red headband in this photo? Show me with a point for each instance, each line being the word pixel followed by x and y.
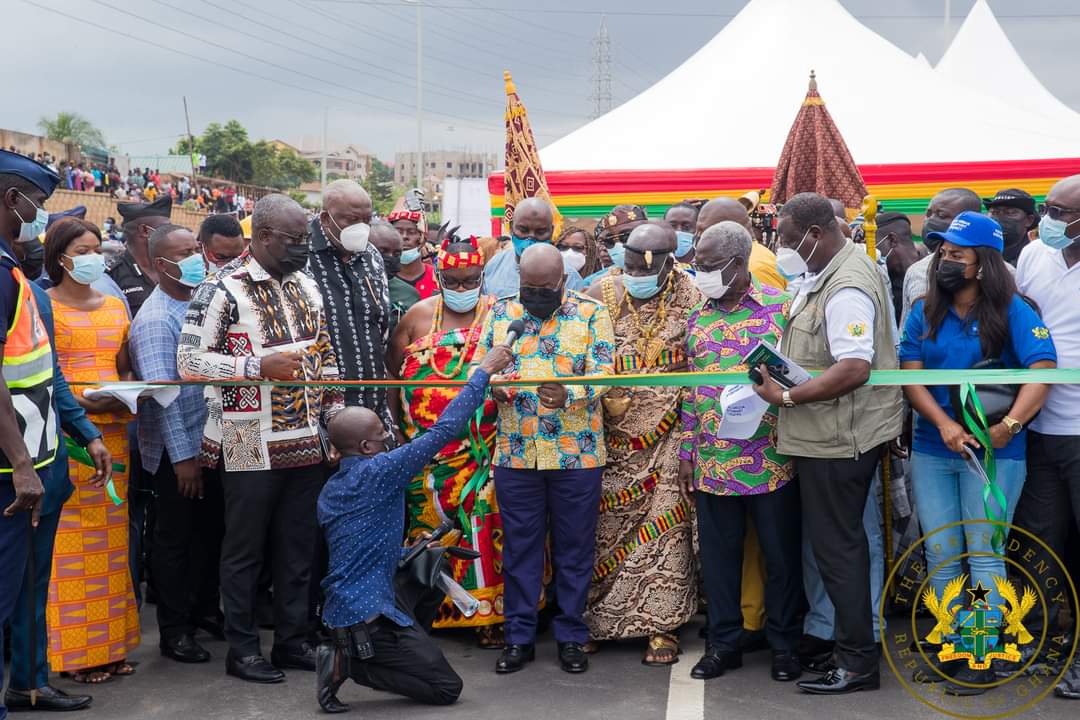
pixel 453 260
pixel 413 215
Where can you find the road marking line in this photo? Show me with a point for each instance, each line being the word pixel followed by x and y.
pixel 686 696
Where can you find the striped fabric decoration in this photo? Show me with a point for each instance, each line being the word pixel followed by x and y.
pixel 648 439
pixel 627 495
pixel 631 362
pixel 647 533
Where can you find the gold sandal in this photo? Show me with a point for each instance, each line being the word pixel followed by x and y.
pixel 665 642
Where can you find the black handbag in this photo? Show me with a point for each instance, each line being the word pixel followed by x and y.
pixel 996 400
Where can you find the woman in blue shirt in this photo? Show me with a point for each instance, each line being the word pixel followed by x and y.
pixel 972 311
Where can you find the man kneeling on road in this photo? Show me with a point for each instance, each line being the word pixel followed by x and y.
pixel 362 513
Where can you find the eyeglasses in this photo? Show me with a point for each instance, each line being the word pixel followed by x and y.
pixel 452 284
pixel 301 239
pixel 609 240
pixel 1056 212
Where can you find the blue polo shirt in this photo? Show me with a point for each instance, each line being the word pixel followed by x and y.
pixel 956 347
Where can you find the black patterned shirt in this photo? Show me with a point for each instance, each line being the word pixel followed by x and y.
pixel 244 312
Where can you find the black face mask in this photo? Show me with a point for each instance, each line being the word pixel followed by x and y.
pixel 392 265
pixel 33 259
pixel 541 302
pixel 296 257
pixel 1015 238
pixel 950 275
pixel 933 225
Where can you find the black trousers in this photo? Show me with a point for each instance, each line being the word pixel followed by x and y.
pixel 834 496
pixel 187 550
pixel 407 662
pixel 274 508
pixel 721 523
pixel 1049 503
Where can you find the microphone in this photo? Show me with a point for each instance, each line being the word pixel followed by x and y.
pixel 516 330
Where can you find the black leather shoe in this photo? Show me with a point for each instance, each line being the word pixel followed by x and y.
pixel 752 640
pixel 1069 687
pixel 839 681
pixel 331 668
pixel 253 668
pixel 183 648
pixel 48 699
pixel 968 683
pixel 572 657
pixel 514 657
pixel 785 666
pixel 301 658
pixel 714 664
pixel 815 654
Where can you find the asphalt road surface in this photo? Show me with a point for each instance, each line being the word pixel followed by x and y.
pixel 617 687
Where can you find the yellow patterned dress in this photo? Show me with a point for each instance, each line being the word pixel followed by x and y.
pixel 92 616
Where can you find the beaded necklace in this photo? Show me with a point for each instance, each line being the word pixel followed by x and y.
pixel 470 340
pixel 649 346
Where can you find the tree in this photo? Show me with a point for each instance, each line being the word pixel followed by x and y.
pixel 231 155
pixel 380 186
pixel 71 127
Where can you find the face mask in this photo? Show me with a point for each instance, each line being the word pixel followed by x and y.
pixel 1052 233
pixel 192 270
pixel 540 302
pixel 30 230
pixel 296 257
pixel 33 259
pixel 617 253
pixel 574 259
pixel 461 301
pixel 392 265
pixel 354 238
pixel 930 225
pixel 685 243
pixel 950 275
pixel 410 256
pixel 643 287
pixel 86 269
pixel 1013 232
pixel 790 263
pixel 520 245
pixel 107 226
pixel 711 284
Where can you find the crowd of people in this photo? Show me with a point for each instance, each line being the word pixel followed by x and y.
pixel 267 489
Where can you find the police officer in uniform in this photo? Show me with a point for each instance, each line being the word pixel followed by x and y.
pixel 132 271
pixel 28 437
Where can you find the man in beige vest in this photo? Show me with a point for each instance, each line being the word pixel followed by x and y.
pixel 835 426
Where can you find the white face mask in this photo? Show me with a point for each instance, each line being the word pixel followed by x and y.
pixel 711 283
pixel 790 263
pixel 355 237
pixel 574 259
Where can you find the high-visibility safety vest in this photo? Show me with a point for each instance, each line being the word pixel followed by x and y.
pixel 28 374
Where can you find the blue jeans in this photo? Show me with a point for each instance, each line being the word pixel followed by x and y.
pixel 947 490
pixel 821 615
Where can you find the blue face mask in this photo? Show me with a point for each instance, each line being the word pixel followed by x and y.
pixel 410 256
pixel 617 253
pixel 1052 233
pixel 461 301
pixel 30 230
pixel 685 243
pixel 522 244
pixel 86 269
pixel 192 270
pixel 642 287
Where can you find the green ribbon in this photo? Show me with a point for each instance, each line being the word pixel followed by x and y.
pixel 480 453
pixel 980 428
pixel 78 453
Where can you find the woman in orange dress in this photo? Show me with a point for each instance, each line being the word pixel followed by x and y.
pixel 92 616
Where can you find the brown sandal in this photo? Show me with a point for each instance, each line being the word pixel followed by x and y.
pixel 490 637
pixel 90 676
pixel 661 645
pixel 120 669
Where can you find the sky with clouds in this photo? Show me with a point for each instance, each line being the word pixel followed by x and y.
pixel 276 65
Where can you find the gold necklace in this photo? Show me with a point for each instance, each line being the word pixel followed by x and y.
pixel 470 340
pixel 649 345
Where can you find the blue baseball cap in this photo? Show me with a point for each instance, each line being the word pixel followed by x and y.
pixel 33 172
pixel 972 229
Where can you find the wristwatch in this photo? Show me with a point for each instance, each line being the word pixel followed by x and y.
pixel 1014 426
pixel 786 398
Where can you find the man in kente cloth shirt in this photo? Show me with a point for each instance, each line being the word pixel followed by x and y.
pixel 645 588
pixel 438 339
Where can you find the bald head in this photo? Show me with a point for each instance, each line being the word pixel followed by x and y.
pixel 1065 193
pixel 541 266
pixel 357 431
pixel 533 219
pixel 658 237
pixel 720 210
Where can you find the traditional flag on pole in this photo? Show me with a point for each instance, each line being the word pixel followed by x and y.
pixel 524 178
pixel 816 158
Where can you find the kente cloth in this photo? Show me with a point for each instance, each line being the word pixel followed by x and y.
pixel 457 484
pixel 644 579
pixel 815 158
pixel 91 614
pixel 524 177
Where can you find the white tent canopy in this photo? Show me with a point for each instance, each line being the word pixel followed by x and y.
pixel 732 103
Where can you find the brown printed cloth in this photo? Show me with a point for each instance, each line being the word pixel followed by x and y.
pixel 816 158
pixel 644 577
pixel 524 177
